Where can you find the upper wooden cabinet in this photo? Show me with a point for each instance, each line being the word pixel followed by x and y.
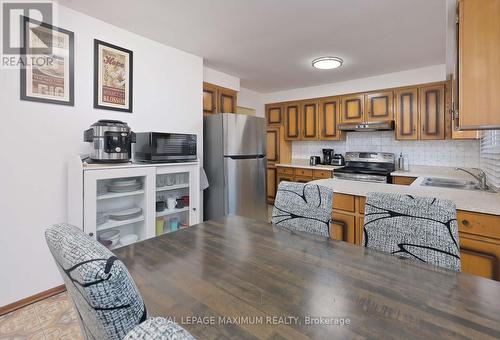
pixel 431 109
pixel 352 108
pixel 209 98
pixel 274 114
pixel 217 99
pixel 227 100
pixel 406 113
pixel 420 112
pixel 329 116
pixel 479 64
pixel 309 120
pixel 379 106
pixel 292 121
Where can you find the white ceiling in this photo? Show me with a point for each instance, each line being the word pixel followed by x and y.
pixel 269 44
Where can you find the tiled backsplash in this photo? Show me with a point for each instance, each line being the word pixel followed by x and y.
pixel 463 153
pixel 490 156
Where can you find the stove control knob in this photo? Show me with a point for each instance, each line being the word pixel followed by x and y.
pixel 118 149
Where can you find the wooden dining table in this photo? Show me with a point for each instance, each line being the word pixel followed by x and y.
pixel 237 278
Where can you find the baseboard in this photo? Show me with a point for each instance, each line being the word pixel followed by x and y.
pixel 31 299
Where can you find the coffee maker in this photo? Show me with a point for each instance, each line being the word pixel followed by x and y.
pixel 327 156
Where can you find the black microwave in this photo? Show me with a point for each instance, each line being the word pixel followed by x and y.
pixel 160 147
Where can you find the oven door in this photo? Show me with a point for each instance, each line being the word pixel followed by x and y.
pixel 360 177
pixel 173 147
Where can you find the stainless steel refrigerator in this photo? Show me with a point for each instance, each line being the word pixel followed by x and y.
pixel 234 150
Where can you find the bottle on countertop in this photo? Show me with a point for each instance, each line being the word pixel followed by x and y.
pixel 401 162
pixel 406 163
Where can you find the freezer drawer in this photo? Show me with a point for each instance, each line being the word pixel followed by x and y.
pixel 245 186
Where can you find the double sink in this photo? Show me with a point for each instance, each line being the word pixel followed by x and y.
pixel 453 184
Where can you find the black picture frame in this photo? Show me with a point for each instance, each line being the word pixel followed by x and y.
pixel 71 76
pixel 130 53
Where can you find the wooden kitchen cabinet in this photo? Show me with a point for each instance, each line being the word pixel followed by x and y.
pixel 273 144
pixel 480 256
pixel 403 180
pixel 218 99
pixel 406 113
pixel 479 235
pixel 283 177
pixel 329 117
pixel 309 119
pixel 352 108
pixel 479 64
pixel 227 100
pixel 343 232
pixel 278 150
pixel 209 98
pixel 274 114
pixel 272 184
pixel 379 106
pixel 431 112
pixel 292 121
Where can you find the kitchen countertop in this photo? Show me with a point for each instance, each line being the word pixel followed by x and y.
pixel 469 200
pixel 304 164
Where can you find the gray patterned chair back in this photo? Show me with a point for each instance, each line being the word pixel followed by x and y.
pixel 303 207
pixel 106 298
pixel 420 228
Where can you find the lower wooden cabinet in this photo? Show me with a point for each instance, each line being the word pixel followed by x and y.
pixel 272 184
pixel 345 230
pixel 289 174
pixel 402 180
pixel 480 256
pixel 479 234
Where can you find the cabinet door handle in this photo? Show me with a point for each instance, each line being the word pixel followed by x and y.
pixel 194 209
pixel 91 234
pixel 465 223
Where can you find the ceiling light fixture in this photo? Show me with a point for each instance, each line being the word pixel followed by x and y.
pixel 327 63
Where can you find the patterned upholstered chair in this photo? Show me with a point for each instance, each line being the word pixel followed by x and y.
pixel 420 228
pixel 107 301
pixel 303 207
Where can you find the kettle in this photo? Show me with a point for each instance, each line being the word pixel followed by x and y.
pixel 338 159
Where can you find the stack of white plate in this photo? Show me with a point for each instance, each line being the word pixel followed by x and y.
pixel 125 214
pixel 124 185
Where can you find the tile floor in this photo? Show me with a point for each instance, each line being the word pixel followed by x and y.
pixel 52 318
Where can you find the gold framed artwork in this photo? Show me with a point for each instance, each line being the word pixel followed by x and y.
pixel 47 73
pixel 113 71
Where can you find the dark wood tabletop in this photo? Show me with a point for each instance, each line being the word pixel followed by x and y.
pixel 242 279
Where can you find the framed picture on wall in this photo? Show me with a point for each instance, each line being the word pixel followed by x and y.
pixel 48 55
pixel 113 70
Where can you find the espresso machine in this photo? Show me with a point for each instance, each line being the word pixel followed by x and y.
pixel 327 156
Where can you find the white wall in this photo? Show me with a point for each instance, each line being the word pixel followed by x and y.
pixel 222 79
pixel 253 100
pixel 410 77
pixel 38 138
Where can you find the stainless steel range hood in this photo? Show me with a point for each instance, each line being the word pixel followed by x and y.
pixel 375 126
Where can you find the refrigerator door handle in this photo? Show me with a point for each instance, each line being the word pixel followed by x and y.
pixel 247 156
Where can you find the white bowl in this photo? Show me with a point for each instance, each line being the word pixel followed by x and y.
pixel 125 240
pixel 111 235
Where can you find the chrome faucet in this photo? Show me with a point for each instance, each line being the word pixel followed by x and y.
pixel 480 177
